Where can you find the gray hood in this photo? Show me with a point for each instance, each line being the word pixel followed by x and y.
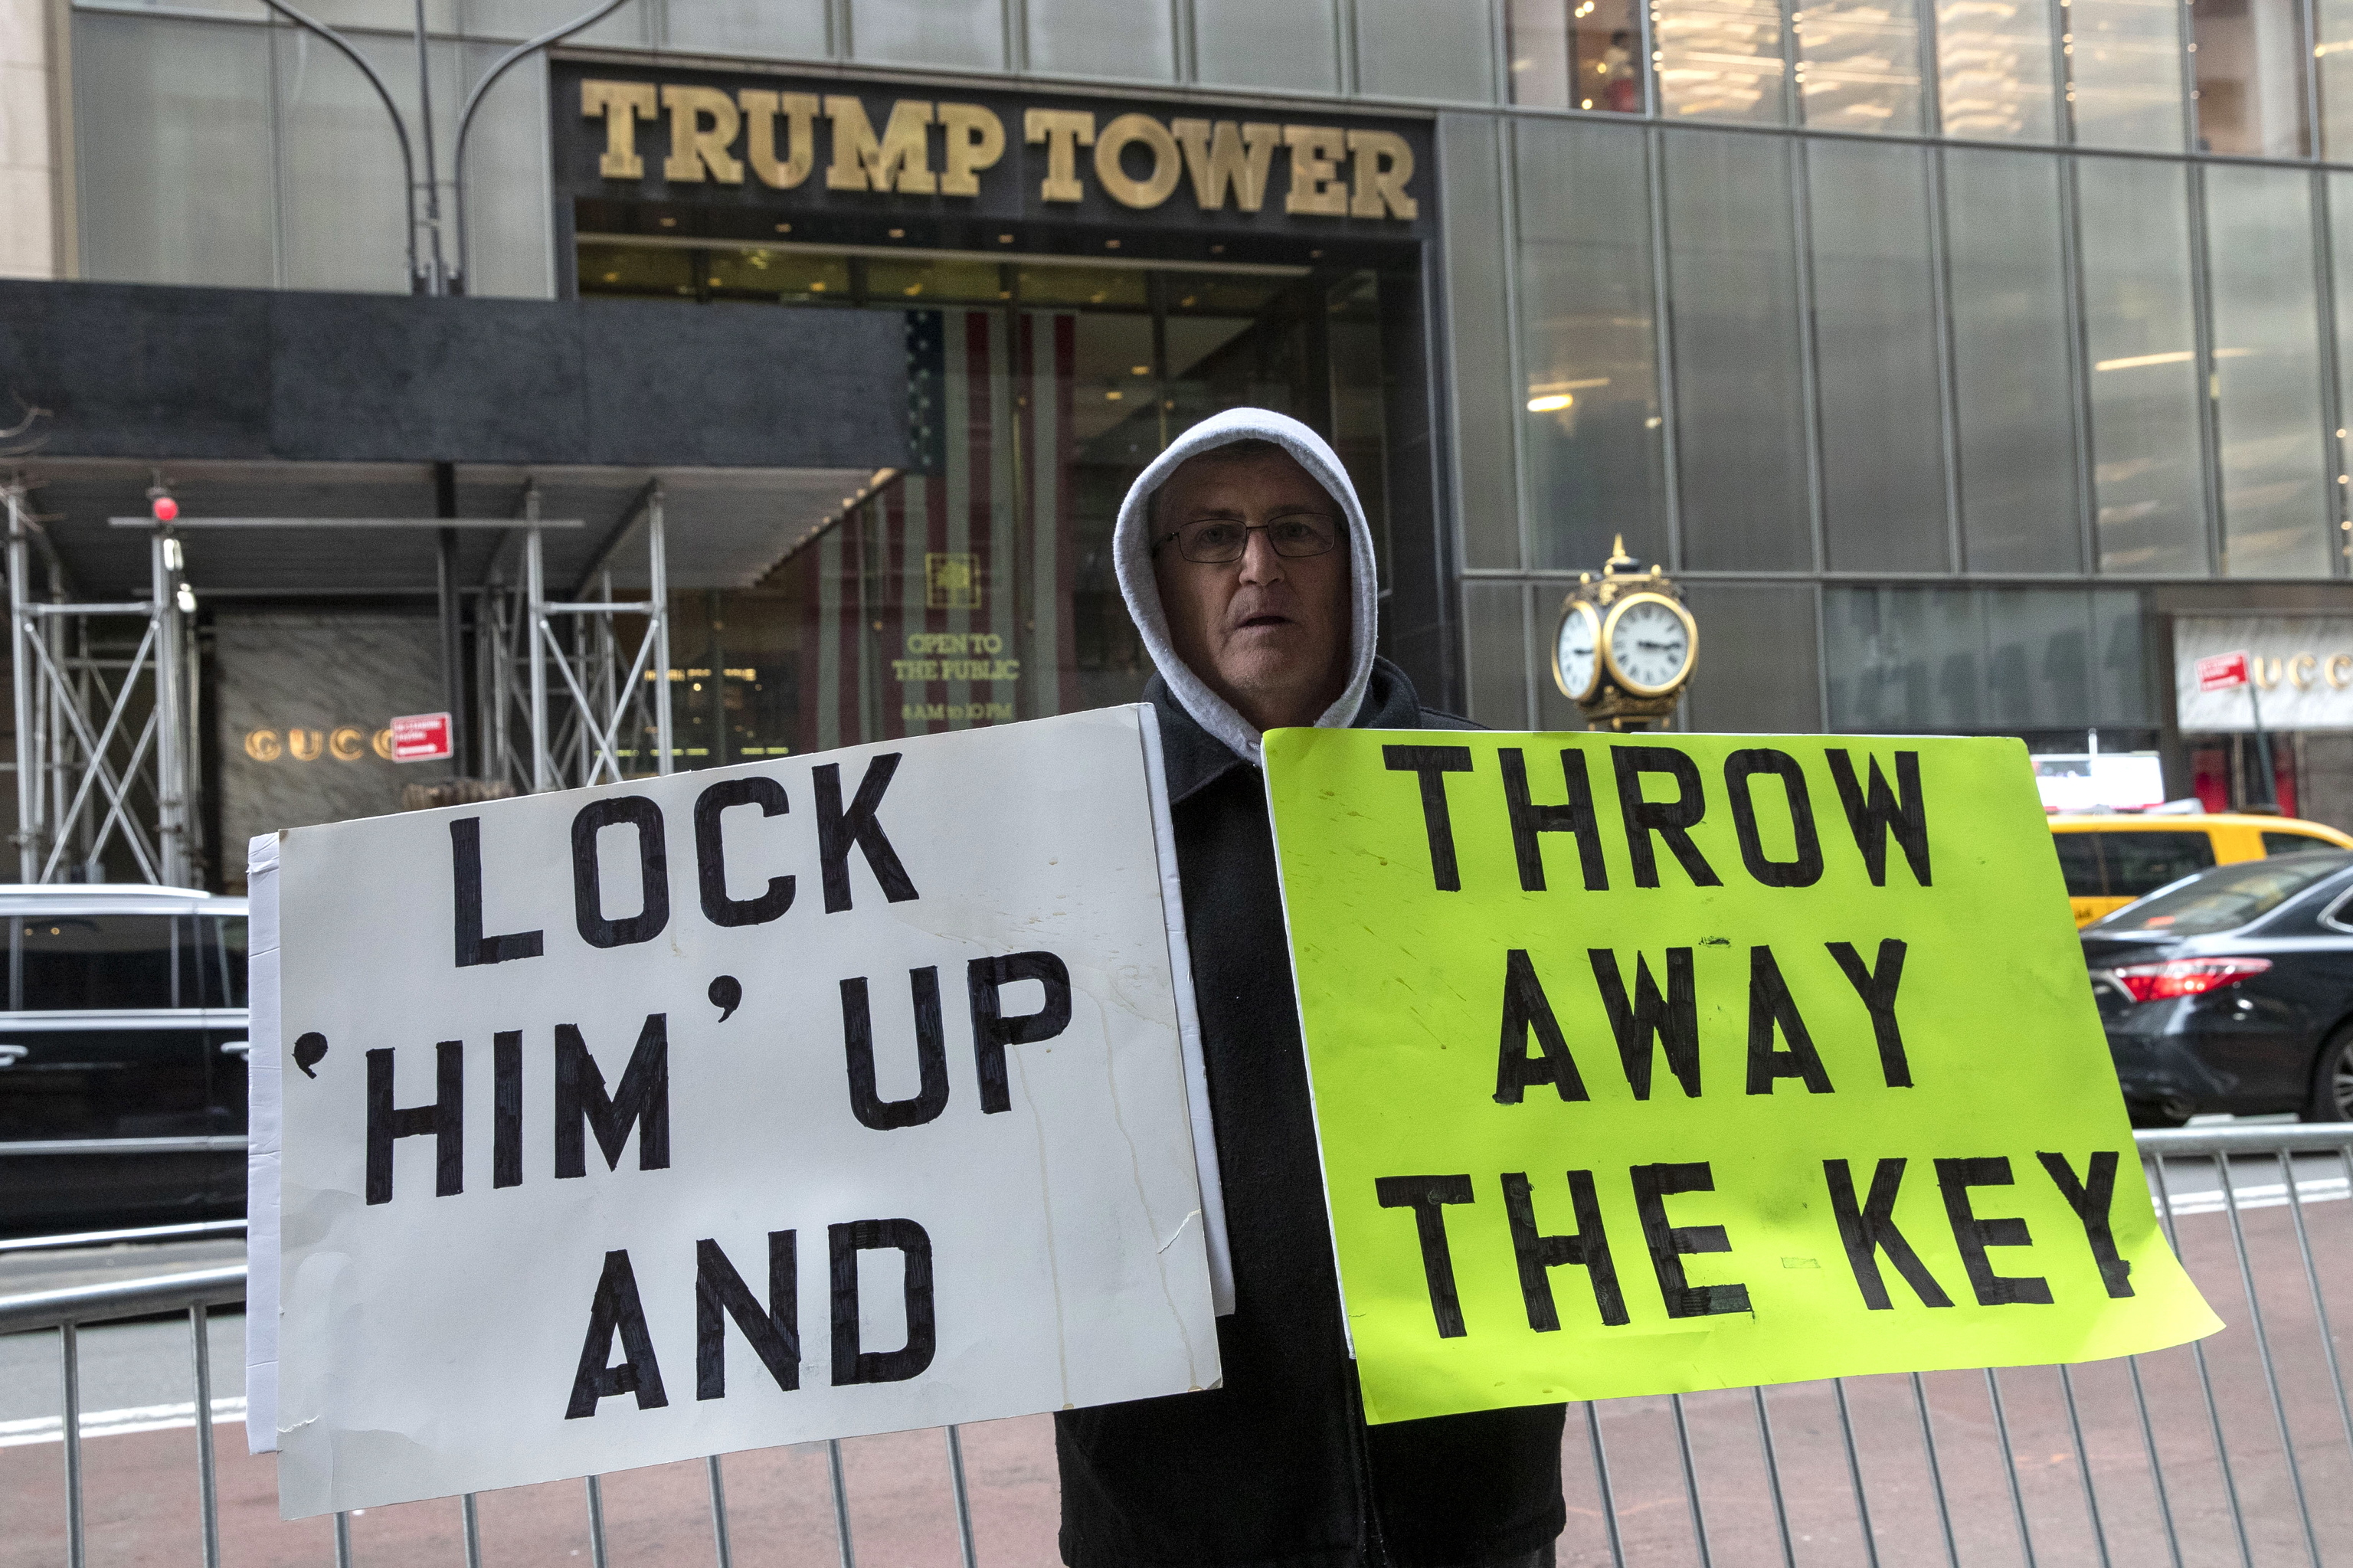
pixel 1132 553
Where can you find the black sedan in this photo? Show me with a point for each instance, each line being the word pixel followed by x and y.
pixel 2232 991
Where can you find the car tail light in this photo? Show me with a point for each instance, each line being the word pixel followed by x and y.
pixel 2186 977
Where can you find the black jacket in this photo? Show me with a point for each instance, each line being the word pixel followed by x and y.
pixel 1277 1466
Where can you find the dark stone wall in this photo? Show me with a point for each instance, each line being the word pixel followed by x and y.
pixel 140 371
pixel 288 684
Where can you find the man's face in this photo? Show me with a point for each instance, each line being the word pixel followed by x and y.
pixel 1268 632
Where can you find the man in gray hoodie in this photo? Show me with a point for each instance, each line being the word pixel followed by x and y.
pixel 1247 564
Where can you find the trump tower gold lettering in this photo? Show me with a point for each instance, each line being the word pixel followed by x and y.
pixel 884 146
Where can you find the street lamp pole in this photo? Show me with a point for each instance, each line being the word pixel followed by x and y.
pixel 2265 796
pixel 432 274
pixel 437 276
pixel 416 279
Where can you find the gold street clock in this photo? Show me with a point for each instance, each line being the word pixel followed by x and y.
pixel 1625 645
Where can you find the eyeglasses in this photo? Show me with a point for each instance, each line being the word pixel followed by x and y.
pixel 1219 543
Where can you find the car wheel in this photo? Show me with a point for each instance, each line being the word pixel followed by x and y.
pixel 2174 1110
pixel 2331 1099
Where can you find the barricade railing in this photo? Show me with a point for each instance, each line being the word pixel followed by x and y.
pixel 2238 1448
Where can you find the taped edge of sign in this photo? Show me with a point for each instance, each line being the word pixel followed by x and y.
pixel 1189 1019
pixel 265 1142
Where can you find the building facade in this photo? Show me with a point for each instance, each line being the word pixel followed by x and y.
pixel 1975 368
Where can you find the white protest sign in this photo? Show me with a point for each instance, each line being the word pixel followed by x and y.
pixel 828 1096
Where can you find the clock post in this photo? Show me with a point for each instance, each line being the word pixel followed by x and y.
pixel 1625 646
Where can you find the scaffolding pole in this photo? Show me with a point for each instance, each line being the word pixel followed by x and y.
pixel 20 683
pixel 80 768
pixel 586 682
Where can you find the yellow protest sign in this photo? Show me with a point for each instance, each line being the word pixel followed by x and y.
pixel 1647 1064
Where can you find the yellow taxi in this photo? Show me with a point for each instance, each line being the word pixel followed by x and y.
pixel 2111 860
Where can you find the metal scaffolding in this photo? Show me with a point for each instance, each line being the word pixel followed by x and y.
pixel 585 717
pixel 105 695
pixel 104 748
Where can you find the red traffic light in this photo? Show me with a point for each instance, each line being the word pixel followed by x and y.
pixel 164 508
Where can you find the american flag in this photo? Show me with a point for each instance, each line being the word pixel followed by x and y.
pixel 946 602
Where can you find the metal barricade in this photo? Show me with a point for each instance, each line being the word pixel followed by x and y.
pixel 2238 1448
pixel 2205 1454
pixel 194 1293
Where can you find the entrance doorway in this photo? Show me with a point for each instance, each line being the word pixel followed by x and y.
pixel 2313 773
pixel 977 586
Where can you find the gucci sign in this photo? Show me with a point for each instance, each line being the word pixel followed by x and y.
pixel 344 744
pixel 2301 669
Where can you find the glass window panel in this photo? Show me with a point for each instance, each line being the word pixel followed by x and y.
pixel 1484 397
pixel 507 210
pixel 1758 670
pixel 2020 510
pixel 1247 43
pixel 1720 59
pixel 2120 689
pixel 2147 474
pixel 791 27
pixel 887 279
pixel 2079 863
pixel 172 145
pixel 388 16
pixel 1993 69
pixel 1541 55
pixel 2276 503
pixel 1194 342
pixel 1103 37
pixel 2234 896
pixel 2333 29
pixel 1229 340
pixel 793 277
pixel 1424 48
pixel 2037 660
pixel 1495 643
pixel 1108 286
pixel 1587 342
pixel 1907 659
pixel 640 270
pixel 252 10
pixel 1111 414
pixel 2125 73
pixel 344 217
pixel 223 956
pixel 1998 659
pixel 1875 346
pixel 1220 359
pixel 903 32
pixel 2141 863
pixel 82 962
pixel 1575 54
pixel 1859 65
pixel 631 27
pixel 1353 335
pixel 1223 293
pixel 1740 426
pixel 107 1082
pixel 2250 76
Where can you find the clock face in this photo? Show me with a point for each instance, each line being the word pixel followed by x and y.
pixel 1649 643
pixel 1576 653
